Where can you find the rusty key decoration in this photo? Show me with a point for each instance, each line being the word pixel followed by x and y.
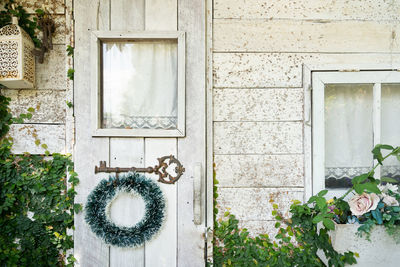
pixel 160 169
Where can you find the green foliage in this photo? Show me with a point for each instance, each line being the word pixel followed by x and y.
pixel 5 116
pixel 24 19
pixel 36 203
pixel 70 51
pixel 70 74
pixel 298 238
pixel 69 104
pixel 296 243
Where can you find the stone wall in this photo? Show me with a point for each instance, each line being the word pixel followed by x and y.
pixel 52 121
pixel 259 48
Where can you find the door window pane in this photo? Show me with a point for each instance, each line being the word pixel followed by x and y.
pixel 348 132
pixel 390 123
pixel 139 84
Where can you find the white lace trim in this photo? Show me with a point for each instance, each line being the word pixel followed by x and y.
pixel 140 122
pixel 350 172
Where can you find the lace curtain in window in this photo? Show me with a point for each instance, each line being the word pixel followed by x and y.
pixel 139 84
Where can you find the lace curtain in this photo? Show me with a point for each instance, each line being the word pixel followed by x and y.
pixel 349 131
pixel 139 84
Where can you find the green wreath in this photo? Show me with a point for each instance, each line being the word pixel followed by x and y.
pixel 121 236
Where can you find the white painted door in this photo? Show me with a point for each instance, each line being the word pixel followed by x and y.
pixel 181 241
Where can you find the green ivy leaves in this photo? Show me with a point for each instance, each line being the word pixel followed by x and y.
pixel 36 202
pixel 24 19
pixel 295 244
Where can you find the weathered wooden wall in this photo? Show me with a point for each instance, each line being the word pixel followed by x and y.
pixel 52 120
pixel 259 48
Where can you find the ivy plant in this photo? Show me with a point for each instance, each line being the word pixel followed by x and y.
pixel 306 232
pixel 25 20
pixel 36 202
pixel 296 244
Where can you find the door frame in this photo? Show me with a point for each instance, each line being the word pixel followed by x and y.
pixel 209 133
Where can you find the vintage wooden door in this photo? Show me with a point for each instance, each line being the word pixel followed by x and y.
pixel 181 240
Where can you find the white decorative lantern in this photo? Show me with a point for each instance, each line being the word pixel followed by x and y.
pixel 17 62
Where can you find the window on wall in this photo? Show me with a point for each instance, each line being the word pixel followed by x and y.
pixel 351 113
pixel 138 87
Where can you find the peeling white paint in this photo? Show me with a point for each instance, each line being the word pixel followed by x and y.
pixel 306 9
pixel 258 105
pixel 258 137
pixel 259 170
pixel 254 203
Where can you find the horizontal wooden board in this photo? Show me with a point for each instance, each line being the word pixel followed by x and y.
pixel 306 9
pixel 51 135
pixel 259 170
pixel 52 74
pixel 258 137
pixel 258 104
pixel 254 203
pixel 305 36
pixel 52 6
pixel 281 69
pixel 49 105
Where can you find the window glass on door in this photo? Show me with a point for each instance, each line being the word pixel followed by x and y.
pixel 139 84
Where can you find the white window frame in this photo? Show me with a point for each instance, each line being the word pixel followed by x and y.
pixel 96 38
pixel 314 81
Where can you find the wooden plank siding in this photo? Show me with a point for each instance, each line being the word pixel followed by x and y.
pixel 376 10
pixel 278 104
pixel 259 51
pixel 239 171
pixel 272 70
pixel 305 36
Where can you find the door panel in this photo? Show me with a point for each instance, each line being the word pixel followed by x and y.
pixel 180 242
pixel 126 152
pixel 90 14
pixel 127 15
pixel 161 251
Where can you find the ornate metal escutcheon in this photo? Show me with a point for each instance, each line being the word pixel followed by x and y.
pixel 161 169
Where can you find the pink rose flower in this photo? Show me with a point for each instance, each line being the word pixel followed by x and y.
pixel 361 204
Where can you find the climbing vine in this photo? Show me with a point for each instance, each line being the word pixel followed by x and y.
pixel 295 244
pixel 25 20
pixel 36 191
pixel 36 202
